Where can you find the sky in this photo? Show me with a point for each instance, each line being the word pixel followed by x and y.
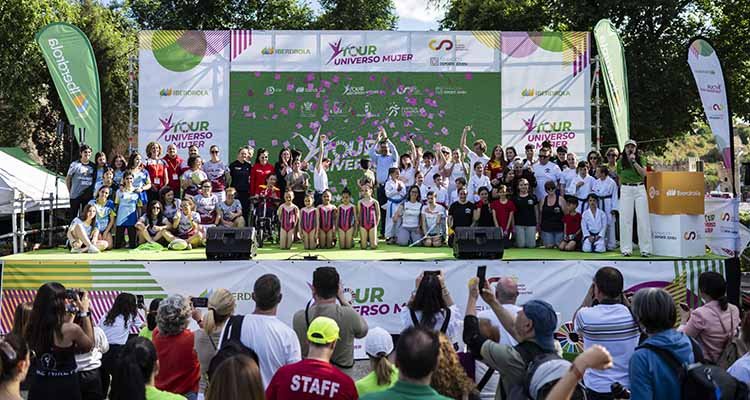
pixel 413 15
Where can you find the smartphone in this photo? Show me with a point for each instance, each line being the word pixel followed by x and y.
pixel 436 273
pixel 199 302
pixel 684 307
pixel 140 301
pixel 482 275
pixel 73 293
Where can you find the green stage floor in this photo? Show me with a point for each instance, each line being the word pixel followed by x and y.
pixel 384 252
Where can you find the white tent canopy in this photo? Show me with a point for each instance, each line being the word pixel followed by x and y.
pixel 34 183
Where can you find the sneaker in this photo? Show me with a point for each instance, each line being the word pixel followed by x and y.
pixel 75 250
pixel 189 247
pixel 92 250
pixel 645 255
pixel 626 254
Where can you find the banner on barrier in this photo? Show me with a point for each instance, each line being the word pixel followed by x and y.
pixel 183 89
pixel 379 290
pixel 546 90
pixel 725 235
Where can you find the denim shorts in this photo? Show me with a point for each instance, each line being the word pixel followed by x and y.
pixel 551 238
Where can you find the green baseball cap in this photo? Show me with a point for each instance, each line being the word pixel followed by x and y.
pixel 323 330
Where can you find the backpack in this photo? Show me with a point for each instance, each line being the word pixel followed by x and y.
pixel 551 368
pixel 735 349
pixel 231 345
pixel 701 381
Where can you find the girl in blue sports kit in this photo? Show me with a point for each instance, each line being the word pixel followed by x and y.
pixel 105 214
pixel 129 206
pixel 141 179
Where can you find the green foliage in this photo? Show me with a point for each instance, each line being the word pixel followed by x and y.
pixel 220 14
pixel 356 15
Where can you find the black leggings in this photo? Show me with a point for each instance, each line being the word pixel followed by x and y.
pixel 109 363
pixel 120 237
pixel 91 385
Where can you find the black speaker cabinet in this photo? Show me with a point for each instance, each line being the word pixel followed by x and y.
pixel 230 243
pixel 474 242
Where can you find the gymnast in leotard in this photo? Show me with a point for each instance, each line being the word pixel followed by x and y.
pixel 288 214
pixel 347 220
pixel 308 222
pixel 326 222
pixel 368 211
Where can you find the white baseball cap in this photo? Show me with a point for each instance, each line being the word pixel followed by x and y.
pixel 631 141
pixel 378 341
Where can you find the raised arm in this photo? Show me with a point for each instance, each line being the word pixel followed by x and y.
pixel 463 146
pixel 321 154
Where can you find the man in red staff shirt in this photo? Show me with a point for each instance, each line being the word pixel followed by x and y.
pixel 314 377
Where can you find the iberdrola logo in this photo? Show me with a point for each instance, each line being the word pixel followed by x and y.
pixel 267 51
pixel 528 92
pixel 81 103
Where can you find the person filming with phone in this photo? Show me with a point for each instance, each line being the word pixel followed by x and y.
pixel 432 307
pixel 56 342
pixel 604 318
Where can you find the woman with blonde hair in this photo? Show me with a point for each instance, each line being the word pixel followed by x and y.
pixel 236 378
pixel 449 378
pixel 221 306
pixel 378 346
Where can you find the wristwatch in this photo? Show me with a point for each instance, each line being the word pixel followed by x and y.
pixel 84 314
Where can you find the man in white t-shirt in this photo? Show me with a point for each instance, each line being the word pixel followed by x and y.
pixel 478 153
pixel 275 342
pixel 320 173
pixel 603 319
pixel 544 171
pixel 506 292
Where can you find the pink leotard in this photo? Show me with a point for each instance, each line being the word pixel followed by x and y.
pixel 288 219
pixel 346 217
pixel 326 218
pixel 368 215
pixel 307 220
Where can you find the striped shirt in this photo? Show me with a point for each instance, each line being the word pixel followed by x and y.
pixel 611 326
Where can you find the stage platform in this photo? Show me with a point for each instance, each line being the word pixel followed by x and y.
pixel 383 253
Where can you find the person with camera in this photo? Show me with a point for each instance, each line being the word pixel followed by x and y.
pixel 56 342
pixel 605 319
pixel 329 301
pixel 431 306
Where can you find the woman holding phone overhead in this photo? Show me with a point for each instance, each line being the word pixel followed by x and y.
pixel 431 306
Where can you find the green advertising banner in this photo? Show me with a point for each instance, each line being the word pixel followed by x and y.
pixel 612 58
pixel 274 110
pixel 70 60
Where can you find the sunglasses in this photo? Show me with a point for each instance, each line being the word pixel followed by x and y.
pixel 206 187
pixel 611 155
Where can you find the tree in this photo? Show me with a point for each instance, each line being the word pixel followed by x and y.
pixel 731 41
pixel 219 14
pixel 663 101
pixel 357 15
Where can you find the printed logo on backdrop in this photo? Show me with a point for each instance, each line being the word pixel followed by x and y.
pixel 184 134
pixel 558 133
pixel 80 101
pixel 369 302
pixel 531 92
pixel 364 54
pixel 167 92
pixel 690 235
pixel 269 51
pixel 653 192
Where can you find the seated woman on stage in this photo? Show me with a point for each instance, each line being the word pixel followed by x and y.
pixel 594 226
pixel 170 202
pixel 105 214
pixel 408 214
pixel 83 234
pixel 229 211
pixel 460 214
pixel 153 226
pixel 571 225
pixel 186 223
pixel 205 204
pixel 433 222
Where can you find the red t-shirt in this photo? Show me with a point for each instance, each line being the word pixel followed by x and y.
pixel 157 172
pixel 310 380
pixel 179 368
pixel 258 175
pixel 502 212
pixel 572 223
pixel 174 172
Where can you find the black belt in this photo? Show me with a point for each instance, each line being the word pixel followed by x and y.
pixel 633 184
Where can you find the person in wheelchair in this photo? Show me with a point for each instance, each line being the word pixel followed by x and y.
pixel 264 206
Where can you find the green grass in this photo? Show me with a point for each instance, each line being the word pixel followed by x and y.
pixel 384 252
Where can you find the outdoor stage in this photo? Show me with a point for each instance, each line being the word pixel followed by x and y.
pixel 379 281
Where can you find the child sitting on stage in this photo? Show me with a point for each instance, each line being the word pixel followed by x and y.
pixel 571 225
pixel 187 225
pixel 433 222
pixel 368 211
pixel 83 234
pixel 308 221
pixel 347 220
pixel 269 197
pixel 153 226
pixel 594 226
pixel 229 211
pixel 327 222
pixel 288 215
pixel 105 214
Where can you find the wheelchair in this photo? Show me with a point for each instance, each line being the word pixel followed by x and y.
pixel 265 221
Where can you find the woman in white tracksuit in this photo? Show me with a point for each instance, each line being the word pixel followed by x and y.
pixel 631 169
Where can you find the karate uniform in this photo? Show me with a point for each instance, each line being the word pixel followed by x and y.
pixel 395 196
pixel 607 191
pixel 594 225
pixel 581 193
pixel 476 182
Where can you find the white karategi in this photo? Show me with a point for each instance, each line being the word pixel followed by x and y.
pixel 607 191
pixel 395 192
pixel 594 225
pixel 581 193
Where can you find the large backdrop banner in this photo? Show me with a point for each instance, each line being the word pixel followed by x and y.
pixel 379 290
pixel 274 89
pixel 183 89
